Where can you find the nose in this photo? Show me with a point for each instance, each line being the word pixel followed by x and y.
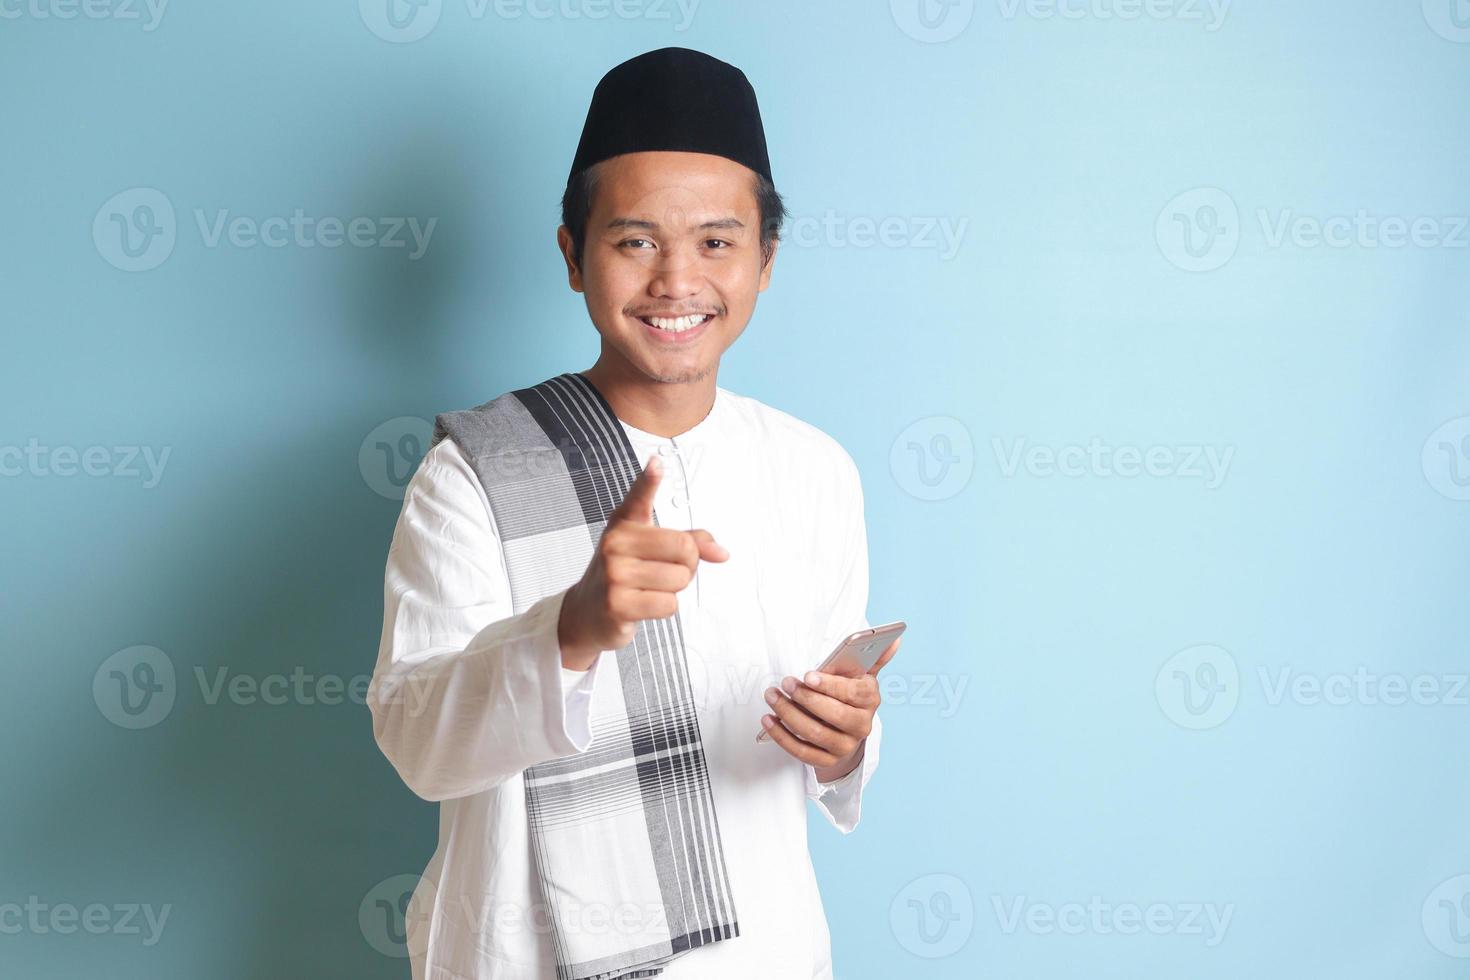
pixel 677 274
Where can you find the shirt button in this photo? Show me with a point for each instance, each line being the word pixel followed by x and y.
pixel 678 500
pixel 665 450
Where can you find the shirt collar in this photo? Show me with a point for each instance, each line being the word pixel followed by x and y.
pixel 701 431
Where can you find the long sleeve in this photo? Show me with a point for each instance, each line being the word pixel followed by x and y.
pixel 464 694
pixel 841 800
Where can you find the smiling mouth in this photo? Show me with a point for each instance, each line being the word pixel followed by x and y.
pixel 677 324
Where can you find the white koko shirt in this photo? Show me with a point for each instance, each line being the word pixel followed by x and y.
pixel 481 693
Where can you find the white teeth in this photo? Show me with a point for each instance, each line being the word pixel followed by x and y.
pixel 677 324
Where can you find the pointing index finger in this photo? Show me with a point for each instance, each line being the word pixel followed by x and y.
pixel 638 504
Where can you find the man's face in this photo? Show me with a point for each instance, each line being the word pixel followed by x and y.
pixel 670 235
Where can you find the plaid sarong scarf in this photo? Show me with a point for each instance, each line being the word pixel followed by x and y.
pixel 625 838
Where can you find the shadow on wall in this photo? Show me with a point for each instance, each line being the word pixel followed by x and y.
pixel 265 825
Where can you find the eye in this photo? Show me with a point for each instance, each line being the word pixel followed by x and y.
pixel 719 241
pixel 632 240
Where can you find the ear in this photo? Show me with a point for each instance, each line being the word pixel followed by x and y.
pixel 766 269
pixel 564 242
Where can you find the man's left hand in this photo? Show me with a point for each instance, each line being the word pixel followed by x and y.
pixel 824 719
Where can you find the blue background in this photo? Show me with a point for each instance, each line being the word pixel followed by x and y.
pixel 1336 541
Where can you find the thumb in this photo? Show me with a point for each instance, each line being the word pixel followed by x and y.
pixel 887 656
pixel 638 504
pixel 709 548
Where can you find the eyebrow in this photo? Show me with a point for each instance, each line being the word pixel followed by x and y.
pixel 621 223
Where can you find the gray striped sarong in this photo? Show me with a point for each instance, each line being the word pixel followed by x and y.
pixel 626 841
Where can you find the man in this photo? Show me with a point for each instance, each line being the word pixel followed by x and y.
pixel 578 653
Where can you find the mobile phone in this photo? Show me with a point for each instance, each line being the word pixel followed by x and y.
pixel 856 655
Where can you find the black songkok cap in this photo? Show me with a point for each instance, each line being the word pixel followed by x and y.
pixel 674 99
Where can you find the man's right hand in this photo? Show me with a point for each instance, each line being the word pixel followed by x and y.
pixel 636 573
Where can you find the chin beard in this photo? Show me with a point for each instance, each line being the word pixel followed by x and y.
pixel 686 376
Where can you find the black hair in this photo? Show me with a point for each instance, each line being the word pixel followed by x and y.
pixel 576 208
